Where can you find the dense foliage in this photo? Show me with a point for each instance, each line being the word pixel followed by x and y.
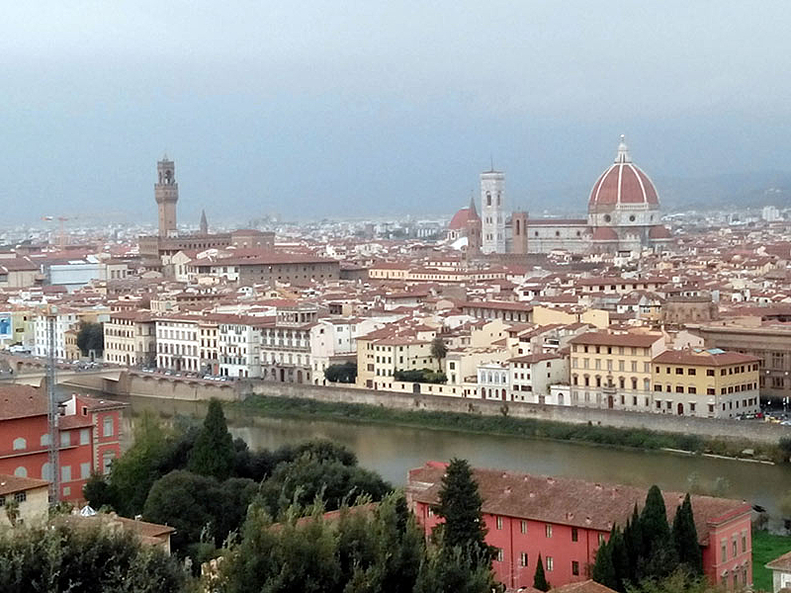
pixel 341 373
pixel 540 578
pixel 213 453
pixel 90 337
pixel 421 376
pixel 647 549
pixel 84 559
pixel 438 348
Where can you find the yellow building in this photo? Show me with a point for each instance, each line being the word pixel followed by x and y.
pixel 130 339
pixel 610 370
pixel 383 352
pixel 708 383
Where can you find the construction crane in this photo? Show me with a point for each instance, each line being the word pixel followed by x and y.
pixel 61 231
pixel 53 412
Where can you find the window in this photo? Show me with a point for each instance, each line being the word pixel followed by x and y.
pixel 499 522
pixel 85 436
pixel 108 428
pixel 107 461
pixel 548 530
pixel 744 542
pixel 20 497
pixel 20 443
pixel 65 473
pixel 44 440
pixel 601 538
pixel 679 371
pixel 65 439
pixel 574 534
pixel 500 555
pixel 20 472
pixel 724 551
pixel 523 559
pixel 734 548
pixel 550 564
pixel 523 526
pixel 575 567
pixel 85 470
pixel 709 372
pixel 690 371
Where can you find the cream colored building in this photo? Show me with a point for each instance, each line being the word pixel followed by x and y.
pixel 130 339
pixel 707 383
pixel 613 370
pixel 384 351
pixel 31 497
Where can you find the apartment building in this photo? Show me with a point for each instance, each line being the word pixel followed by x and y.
pixel 613 370
pixel 130 339
pixel 178 343
pixel 391 348
pixel 531 376
pixel 65 319
pixel 707 383
pixel 565 520
pixel 239 346
pixel 285 352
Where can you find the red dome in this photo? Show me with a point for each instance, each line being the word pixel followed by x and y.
pixel 604 233
pixel 623 183
pixel 659 232
pixel 461 218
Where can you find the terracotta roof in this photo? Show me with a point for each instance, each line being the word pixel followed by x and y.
pixel 608 339
pixel 704 357
pixel 589 586
pixel 570 501
pixel 21 401
pixel 533 358
pixel 461 218
pixel 11 484
pixel 781 563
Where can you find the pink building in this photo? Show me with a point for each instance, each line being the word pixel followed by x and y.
pixel 565 520
pixel 88 437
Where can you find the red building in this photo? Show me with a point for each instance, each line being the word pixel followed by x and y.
pixel 88 436
pixel 565 520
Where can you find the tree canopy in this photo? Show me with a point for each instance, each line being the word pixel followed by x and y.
pixel 213 453
pixel 90 337
pixel 341 373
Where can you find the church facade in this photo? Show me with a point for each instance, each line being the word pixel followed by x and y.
pixel 623 216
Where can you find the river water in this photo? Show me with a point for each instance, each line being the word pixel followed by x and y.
pixel 392 450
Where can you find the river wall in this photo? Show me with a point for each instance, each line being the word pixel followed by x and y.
pixel 186 389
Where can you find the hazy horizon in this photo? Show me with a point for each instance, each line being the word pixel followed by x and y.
pixel 323 110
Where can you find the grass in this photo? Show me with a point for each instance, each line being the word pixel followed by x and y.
pixel 766 547
pixel 637 438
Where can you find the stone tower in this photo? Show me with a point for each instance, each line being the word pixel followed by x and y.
pixel 166 193
pixel 519 232
pixel 493 211
pixel 204 224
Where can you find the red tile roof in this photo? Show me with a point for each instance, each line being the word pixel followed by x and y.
pixel 21 401
pixel 12 484
pixel 704 357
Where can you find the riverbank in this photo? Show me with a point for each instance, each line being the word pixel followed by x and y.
pixel 637 438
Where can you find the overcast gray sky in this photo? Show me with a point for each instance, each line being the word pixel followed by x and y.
pixel 338 108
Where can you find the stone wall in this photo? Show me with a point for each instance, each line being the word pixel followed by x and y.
pixel 728 429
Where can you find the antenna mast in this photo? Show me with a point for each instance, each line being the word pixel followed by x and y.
pixel 52 410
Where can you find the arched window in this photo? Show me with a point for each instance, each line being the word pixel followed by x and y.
pixel 20 472
pixel 20 443
pixel 46 471
pixel 634 383
pixel 488 198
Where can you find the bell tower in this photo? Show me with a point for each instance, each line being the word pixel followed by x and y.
pixel 493 211
pixel 166 193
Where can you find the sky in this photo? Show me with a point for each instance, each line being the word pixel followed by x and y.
pixel 337 109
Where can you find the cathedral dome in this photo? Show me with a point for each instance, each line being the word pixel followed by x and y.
pixel 623 184
pixel 463 217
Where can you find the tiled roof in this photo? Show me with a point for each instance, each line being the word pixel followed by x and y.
pixel 589 586
pixel 11 484
pixel 704 357
pixel 21 401
pixel 570 501
pixel 608 339
pixel 781 563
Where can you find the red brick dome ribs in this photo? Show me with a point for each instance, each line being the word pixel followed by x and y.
pixel 622 183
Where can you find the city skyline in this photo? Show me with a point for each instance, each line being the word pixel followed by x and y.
pixel 311 112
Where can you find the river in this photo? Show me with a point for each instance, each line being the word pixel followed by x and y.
pixel 392 450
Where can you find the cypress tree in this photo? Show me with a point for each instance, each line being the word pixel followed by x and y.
pixel 653 522
pixel 460 506
pixel 620 560
pixel 633 540
pixel 603 569
pixel 213 454
pixel 685 538
pixel 540 579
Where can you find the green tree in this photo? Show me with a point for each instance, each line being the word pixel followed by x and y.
pixel 603 570
pixel 439 350
pixel 454 570
pixel 99 493
pixel 659 557
pixel 302 480
pixel 460 507
pixel 199 507
pixel 90 337
pixel 540 578
pixel 685 538
pixel 84 559
pixel 136 470
pixel 213 453
pixel 341 373
pixel 679 581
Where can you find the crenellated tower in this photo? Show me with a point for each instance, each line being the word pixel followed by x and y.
pixel 166 193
